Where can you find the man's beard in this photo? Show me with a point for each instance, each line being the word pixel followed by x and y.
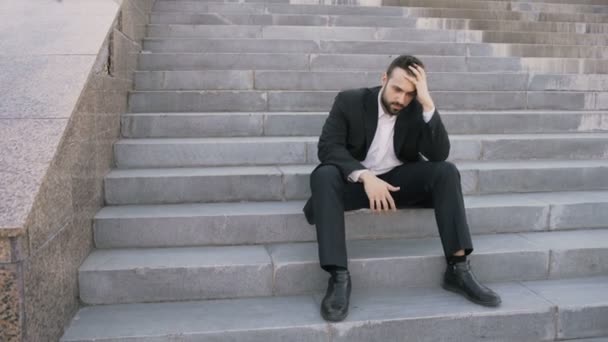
pixel 387 106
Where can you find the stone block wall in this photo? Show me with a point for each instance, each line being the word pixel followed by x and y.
pixel 64 90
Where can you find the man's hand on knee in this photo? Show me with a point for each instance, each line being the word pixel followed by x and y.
pixel 379 193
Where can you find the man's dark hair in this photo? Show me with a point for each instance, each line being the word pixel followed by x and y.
pixel 403 62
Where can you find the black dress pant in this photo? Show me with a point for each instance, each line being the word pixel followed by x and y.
pixel 423 184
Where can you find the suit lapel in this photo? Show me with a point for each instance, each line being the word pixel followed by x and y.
pixel 403 123
pixel 371 115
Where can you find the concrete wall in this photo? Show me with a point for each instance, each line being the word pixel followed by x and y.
pixel 65 70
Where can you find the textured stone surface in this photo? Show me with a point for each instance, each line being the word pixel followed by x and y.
pixel 210 152
pixel 229 124
pixel 56 28
pixel 46 101
pixel 542 176
pixel 45 278
pixel 190 101
pixel 256 320
pixel 428 315
pixel 375 20
pixel 224 61
pixel 575 253
pixel 199 80
pixel 259 183
pixel 5 250
pixel 11 301
pixel 387 315
pixel 192 185
pixel 293 269
pixel 150 275
pixel 153 153
pixel 17 189
pixel 407 263
pixel 496 13
pixel 222 81
pixel 56 124
pixel 582 305
pixel 264 222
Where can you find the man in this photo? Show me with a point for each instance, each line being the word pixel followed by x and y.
pixel 370 151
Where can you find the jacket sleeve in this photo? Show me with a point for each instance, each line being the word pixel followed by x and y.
pixel 434 143
pixel 332 142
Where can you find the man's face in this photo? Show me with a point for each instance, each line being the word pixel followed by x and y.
pixel 397 91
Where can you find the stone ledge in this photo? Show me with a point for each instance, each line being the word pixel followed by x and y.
pixel 64 81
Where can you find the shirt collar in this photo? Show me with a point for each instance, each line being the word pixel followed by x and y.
pixel 380 106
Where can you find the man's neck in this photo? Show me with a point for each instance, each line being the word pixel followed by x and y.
pixel 384 108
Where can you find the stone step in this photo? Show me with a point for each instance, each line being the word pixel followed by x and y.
pixel 323 33
pixel 362 62
pixel 466 4
pixel 395 3
pixel 371 33
pixel 110 276
pixel 485 25
pixel 255 45
pixel 239 151
pixel 196 125
pixel 515 6
pixel 541 311
pixel 289 182
pixel 370 3
pixel 209 224
pixel 588 2
pixel 314 101
pixel 160 18
pixel 186 7
pixel 335 80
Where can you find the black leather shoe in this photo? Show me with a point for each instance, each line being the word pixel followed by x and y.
pixel 459 278
pixel 334 306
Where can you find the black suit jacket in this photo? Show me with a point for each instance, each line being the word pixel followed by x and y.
pixel 351 125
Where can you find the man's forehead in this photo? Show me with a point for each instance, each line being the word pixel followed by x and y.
pixel 398 78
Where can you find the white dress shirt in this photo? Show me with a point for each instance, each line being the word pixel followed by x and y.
pixel 381 156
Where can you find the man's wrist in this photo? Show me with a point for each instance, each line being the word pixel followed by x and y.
pixel 427 115
pixel 365 175
pixel 428 107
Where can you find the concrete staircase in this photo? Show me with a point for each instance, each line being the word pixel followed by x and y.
pixel 203 237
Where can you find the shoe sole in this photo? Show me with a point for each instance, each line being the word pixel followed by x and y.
pixel 476 301
pixel 335 319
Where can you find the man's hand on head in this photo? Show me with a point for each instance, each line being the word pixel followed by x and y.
pixel 378 193
pixel 422 88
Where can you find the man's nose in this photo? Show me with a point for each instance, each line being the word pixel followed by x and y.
pixel 402 99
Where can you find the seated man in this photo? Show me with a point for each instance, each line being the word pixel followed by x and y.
pixel 370 151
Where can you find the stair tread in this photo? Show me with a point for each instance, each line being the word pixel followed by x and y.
pixel 335 91
pixel 363 28
pixel 300 313
pixel 180 257
pixel 317 41
pixel 372 8
pixel 291 207
pixel 446 112
pixel 278 139
pixel 307 168
pixel 117 259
